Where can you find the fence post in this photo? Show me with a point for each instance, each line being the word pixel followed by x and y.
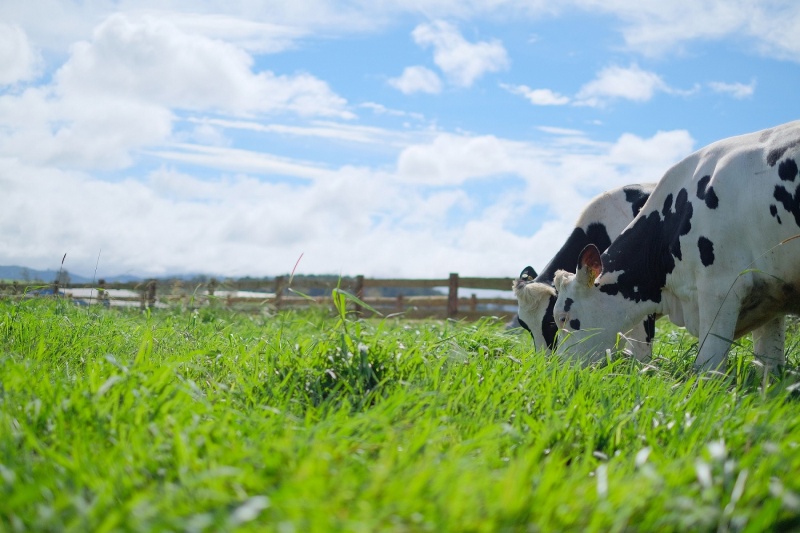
pixel 359 288
pixel 102 295
pixel 452 296
pixel 211 288
pixel 176 294
pixel 151 293
pixel 278 291
pixel 473 302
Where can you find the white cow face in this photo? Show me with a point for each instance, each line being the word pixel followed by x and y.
pixel 534 300
pixel 588 319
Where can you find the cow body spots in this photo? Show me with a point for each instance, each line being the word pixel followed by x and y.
pixel 575 324
pixel 637 197
pixel 706 193
pixel 549 328
pixel 706 248
pixel 681 220
pixel 645 236
pixel 787 170
pixel 650 328
pixel 667 205
pixel 789 202
pixel 773 210
pixel 775 155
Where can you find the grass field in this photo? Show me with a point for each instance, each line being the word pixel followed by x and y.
pixel 302 421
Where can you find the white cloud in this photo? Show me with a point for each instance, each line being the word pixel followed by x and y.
pixel 736 90
pixel 560 131
pixel 18 60
pixel 380 109
pixel 417 79
pixel 154 60
pixel 616 82
pixel 657 28
pixel 174 221
pixel 461 61
pixel 266 26
pixel 319 129
pixel 648 28
pixel 452 159
pixel 239 160
pixel 251 35
pixel 654 153
pixel 207 133
pixel 77 131
pixel 567 163
pixel 272 180
pixel 116 93
pixel 347 220
pixel 775 30
pixel 543 97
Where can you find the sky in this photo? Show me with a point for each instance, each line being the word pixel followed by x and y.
pixel 391 138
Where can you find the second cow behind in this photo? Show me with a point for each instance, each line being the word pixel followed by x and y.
pixel 600 222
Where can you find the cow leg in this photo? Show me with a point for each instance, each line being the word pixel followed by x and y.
pixel 717 327
pixel 768 344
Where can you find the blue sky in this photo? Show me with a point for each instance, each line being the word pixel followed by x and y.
pixel 378 138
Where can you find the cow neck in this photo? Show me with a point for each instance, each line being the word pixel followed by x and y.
pixel 567 257
pixel 646 252
pixel 635 263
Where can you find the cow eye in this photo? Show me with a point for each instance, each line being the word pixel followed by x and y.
pixel 561 320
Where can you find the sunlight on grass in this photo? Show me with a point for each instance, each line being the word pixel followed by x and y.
pixel 309 421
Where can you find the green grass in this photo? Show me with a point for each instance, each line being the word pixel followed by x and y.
pixel 305 421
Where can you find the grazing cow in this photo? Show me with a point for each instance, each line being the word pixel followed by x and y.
pixel 602 220
pixel 713 248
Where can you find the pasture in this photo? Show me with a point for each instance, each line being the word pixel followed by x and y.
pixel 310 420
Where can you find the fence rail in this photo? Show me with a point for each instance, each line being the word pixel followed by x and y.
pixel 256 295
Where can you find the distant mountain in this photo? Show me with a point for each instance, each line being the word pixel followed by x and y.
pixel 116 279
pixel 19 273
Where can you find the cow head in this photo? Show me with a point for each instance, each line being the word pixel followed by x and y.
pixel 535 311
pixel 588 318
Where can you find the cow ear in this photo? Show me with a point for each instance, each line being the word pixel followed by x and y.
pixel 589 265
pixel 528 273
pixel 560 278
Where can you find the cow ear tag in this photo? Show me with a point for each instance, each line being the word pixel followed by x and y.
pixel 590 261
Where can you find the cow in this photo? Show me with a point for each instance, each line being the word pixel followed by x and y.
pixel 601 220
pixel 713 248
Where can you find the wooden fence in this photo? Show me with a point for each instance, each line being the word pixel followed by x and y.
pixel 284 293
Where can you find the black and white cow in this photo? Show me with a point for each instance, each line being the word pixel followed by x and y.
pixel 601 220
pixel 713 248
